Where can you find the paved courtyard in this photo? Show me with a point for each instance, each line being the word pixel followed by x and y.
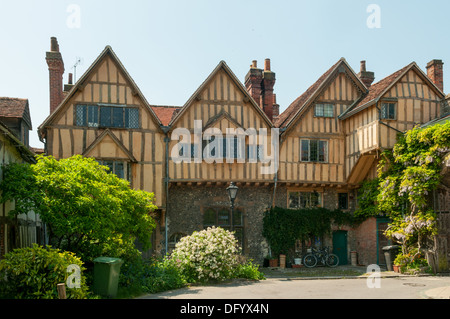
pixel 349 285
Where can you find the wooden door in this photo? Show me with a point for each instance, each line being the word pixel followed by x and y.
pixel 340 246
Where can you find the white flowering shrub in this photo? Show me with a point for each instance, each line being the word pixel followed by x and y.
pixel 212 253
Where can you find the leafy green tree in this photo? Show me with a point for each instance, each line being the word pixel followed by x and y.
pixel 87 210
pixel 408 175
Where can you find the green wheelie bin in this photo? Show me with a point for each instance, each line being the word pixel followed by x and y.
pixel 106 276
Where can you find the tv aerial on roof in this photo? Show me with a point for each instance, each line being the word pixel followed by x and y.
pixel 78 61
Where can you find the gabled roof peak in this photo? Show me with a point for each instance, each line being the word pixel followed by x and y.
pixel 378 89
pixel 81 82
pixel 222 65
pixel 288 116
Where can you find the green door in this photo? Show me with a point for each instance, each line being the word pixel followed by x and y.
pixel 340 246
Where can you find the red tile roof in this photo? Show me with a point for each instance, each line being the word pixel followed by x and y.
pixel 15 108
pixel 165 113
pixel 12 107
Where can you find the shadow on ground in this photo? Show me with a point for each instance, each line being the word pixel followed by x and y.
pixel 320 271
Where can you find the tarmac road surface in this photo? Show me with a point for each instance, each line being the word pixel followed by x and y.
pixel 386 287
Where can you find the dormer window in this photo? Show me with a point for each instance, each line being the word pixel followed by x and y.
pixel 324 110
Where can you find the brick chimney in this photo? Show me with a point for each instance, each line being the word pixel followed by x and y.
pixel 435 73
pixel 276 108
pixel 253 81
pixel 366 77
pixel 56 70
pixel 259 84
pixel 267 89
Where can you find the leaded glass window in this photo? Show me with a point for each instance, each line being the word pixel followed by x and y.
pixel 314 151
pixel 304 199
pixel 121 168
pixel 324 110
pixel 388 111
pixel 107 116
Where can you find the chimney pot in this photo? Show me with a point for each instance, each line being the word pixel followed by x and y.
pixel 436 73
pixel 365 76
pixel 363 66
pixel 267 65
pixel 254 64
pixel 54 46
pixel 70 78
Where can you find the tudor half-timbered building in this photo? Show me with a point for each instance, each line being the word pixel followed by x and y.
pixel 334 134
pixel 327 141
pixel 104 115
pixel 197 196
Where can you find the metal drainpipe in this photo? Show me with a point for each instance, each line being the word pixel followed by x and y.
pixel 166 181
pixel 276 173
pixel 275 189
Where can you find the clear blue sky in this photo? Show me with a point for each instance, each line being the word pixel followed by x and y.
pixel 170 47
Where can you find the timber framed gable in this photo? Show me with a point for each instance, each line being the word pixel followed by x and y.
pixel 222 117
pixel 222 89
pixel 104 115
pixel 381 89
pixel 316 92
pixel 220 102
pixel 105 82
pixel 312 147
pixel 397 103
pixel 108 146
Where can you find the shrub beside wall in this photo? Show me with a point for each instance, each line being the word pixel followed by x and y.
pixel 35 272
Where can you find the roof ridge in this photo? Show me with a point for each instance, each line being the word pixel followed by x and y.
pixel 13 98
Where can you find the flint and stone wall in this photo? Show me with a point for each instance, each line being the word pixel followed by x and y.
pixel 188 203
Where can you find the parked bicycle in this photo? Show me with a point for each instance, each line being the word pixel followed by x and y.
pixel 320 255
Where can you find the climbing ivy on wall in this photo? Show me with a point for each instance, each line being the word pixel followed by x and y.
pixel 367 200
pixel 282 227
pixel 408 174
